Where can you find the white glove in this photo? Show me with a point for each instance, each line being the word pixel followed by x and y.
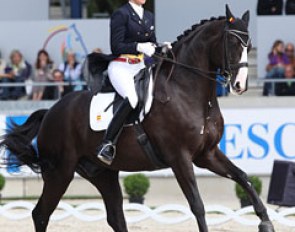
pixel 168 45
pixel 147 48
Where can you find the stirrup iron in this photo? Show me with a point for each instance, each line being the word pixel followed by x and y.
pixel 106 158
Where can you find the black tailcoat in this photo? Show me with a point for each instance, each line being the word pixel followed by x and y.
pixel 127 29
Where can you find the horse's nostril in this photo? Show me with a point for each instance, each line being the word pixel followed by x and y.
pixel 237 85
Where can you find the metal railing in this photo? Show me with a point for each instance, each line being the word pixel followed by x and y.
pixel 27 84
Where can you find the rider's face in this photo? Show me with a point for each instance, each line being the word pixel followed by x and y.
pixel 138 2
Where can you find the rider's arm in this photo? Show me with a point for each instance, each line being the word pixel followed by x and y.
pixel 153 34
pixel 118 33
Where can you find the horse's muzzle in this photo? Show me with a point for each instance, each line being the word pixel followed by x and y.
pixel 237 89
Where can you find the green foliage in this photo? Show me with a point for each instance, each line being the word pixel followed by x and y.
pixel 91 8
pixel 2 182
pixel 103 6
pixel 256 183
pixel 136 185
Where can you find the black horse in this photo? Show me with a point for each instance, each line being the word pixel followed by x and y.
pixel 184 126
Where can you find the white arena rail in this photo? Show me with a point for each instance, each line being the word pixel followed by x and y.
pixel 136 213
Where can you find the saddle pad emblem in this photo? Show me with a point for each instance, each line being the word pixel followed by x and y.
pixel 98 117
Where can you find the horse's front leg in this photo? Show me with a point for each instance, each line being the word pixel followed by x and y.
pixel 218 163
pixel 184 173
pixel 107 182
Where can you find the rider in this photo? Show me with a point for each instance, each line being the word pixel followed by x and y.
pixel 132 39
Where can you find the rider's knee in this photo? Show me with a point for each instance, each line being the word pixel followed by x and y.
pixel 133 100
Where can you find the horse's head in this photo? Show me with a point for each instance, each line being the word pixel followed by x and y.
pixel 236 46
pixel 219 43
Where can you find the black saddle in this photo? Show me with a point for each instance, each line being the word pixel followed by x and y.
pixel 96 76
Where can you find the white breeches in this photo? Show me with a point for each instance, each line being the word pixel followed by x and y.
pixel 121 75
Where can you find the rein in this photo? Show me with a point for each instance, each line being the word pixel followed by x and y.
pixel 224 80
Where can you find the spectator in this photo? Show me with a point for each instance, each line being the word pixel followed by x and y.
pixel 18 71
pixel 277 62
pixel 55 92
pixel 221 90
pixel 97 50
pixel 72 72
pixel 58 77
pixel 287 88
pixel 289 51
pixel 43 73
pixel 290 7
pixel 270 7
pixel 2 71
pixel 2 65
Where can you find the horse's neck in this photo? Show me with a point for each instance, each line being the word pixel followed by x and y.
pixel 184 88
pixel 195 84
pixel 199 52
pixel 189 87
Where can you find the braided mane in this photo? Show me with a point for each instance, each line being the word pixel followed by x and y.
pixel 193 28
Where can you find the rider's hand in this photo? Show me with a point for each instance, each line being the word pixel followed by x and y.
pixel 165 47
pixel 146 48
pixel 168 45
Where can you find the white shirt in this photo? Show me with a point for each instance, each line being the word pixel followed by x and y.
pixel 71 74
pixel 2 66
pixel 138 9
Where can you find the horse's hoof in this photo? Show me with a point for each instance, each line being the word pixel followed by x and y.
pixel 266 227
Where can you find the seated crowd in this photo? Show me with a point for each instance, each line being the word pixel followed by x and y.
pixel 18 71
pixel 281 65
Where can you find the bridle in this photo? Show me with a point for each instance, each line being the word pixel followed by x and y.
pixel 227 67
pixel 224 75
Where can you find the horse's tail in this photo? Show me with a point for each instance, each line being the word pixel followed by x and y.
pixel 18 141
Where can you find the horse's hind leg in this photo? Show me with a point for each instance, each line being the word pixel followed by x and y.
pixel 218 163
pixel 107 182
pixel 55 185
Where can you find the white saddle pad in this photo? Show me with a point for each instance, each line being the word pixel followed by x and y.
pixel 101 114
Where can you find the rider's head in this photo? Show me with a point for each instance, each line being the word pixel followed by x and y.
pixel 138 2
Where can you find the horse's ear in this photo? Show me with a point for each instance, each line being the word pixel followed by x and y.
pixel 246 17
pixel 229 16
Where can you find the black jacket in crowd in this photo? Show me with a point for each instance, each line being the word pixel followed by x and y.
pixel 285 89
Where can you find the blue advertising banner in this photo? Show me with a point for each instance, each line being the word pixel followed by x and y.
pixel 12 161
pixel 252 138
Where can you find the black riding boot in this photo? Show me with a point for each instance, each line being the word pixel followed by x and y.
pixel 106 152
